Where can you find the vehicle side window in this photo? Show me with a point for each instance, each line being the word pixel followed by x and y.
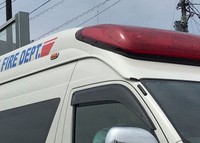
pixel 98 109
pixel 93 122
pixel 28 124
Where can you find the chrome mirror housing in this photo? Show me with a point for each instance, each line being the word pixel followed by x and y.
pixel 129 135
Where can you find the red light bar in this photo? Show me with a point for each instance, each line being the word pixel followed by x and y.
pixel 145 43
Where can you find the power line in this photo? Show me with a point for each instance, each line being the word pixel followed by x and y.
pixel 197 24
pixel 39 7
pixel 5 6
pixel 46 10
pixel 192 27
pixel 74 19
pixel 2 2
pixel 196 3
pixel 193 10
pixel 98 13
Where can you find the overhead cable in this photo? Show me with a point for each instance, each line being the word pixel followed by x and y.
pixel 5 6
pixel 39 7
pixel 197 24
pixel 2 2
pixel 98 13
pixel 74 19
pixel 46 10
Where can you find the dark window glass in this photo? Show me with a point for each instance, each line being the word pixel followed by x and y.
pixel 28 124
pixel 181 102
pixel 93 122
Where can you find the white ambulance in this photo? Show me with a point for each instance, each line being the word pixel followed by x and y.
pixel 104 83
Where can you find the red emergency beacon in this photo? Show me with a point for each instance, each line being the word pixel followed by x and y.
pixel 144 43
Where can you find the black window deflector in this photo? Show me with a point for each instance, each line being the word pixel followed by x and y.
pixel 111 93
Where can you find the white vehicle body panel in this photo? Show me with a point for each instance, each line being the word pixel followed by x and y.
pixel 81 66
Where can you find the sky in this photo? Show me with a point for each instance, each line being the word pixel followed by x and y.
pixel 51 16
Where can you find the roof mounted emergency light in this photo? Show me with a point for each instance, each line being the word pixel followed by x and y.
pixel 144 43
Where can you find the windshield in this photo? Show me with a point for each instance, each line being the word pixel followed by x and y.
pixel 181 102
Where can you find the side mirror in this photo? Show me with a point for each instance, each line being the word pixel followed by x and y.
pixel 129 135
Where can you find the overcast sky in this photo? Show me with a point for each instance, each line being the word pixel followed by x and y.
pixel 57 15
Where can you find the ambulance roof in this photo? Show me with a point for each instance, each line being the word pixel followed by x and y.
pixel 125 41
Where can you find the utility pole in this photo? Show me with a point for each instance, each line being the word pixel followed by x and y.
pixel 8 9
pixel 182 25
